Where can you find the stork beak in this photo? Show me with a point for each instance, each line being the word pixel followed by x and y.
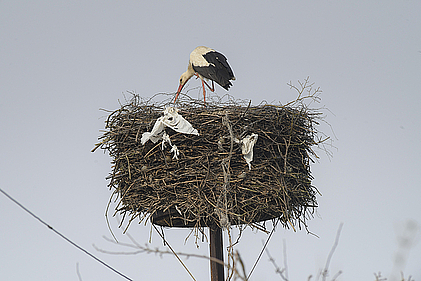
pixel 180 88
pixel 178 91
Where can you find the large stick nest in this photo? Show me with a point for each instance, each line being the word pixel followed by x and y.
pixel 211 183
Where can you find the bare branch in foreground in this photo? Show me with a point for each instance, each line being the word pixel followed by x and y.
pixel 139 249
pixel 283 272
pixel 326 269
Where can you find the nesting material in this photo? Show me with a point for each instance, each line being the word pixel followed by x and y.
pixel 210 181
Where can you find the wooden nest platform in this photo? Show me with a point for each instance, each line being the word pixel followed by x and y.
pixel 210 182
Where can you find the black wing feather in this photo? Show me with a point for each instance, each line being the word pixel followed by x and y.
pixel 218 70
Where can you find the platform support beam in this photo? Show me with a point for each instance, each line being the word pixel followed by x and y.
pixel 216 251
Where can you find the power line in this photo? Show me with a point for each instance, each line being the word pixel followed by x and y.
pixel 64 237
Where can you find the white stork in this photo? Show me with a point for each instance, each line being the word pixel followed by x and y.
pixel 207 63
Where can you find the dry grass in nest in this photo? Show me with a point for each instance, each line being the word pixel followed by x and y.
pixel 211 182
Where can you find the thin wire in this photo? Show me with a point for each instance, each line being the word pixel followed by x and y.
pixel 175 254
pixel 64 237
pixel 261 252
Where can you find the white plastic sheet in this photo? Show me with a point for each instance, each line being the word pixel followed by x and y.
pixel 247 144
pixel 172 120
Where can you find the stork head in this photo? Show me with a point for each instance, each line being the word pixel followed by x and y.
pixel 183 80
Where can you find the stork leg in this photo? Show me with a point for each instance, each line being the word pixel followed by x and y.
pixel 204 91
pixel 203 86
pixel 213 86
pixel 203 81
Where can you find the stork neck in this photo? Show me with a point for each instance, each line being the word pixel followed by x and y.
pixel 190 71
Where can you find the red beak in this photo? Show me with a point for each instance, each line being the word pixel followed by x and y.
pixel 178 91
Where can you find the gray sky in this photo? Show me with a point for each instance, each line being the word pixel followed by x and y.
pixel 61 61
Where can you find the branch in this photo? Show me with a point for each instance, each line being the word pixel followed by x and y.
pixel 326 269
pixel 146 249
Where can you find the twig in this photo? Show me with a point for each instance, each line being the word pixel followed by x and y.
pixel 145 249
pixel 326 269
pixel 78 272
pixel 285 259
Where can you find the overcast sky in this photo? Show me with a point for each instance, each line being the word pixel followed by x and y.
pixel 61 61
